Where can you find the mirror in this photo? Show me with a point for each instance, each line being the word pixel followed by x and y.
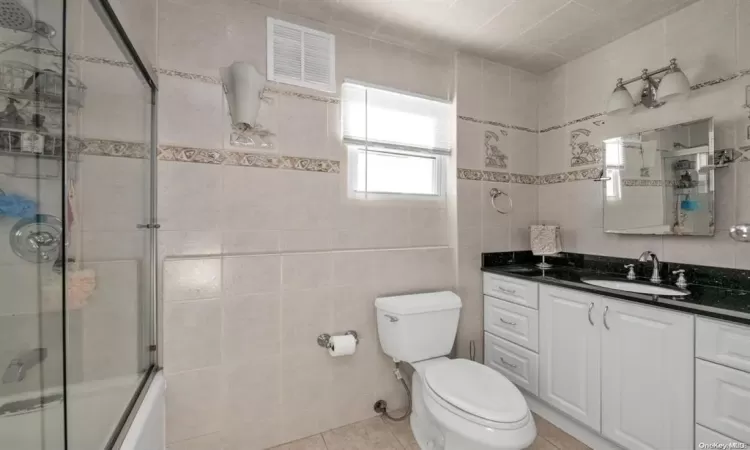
pixel 661 181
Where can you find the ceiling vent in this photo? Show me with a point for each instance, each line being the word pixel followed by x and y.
pixel 300 56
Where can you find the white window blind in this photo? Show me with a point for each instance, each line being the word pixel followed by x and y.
pixel 380 118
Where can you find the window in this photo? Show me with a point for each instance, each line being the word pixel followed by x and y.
pixel 614 160
pixel 398 143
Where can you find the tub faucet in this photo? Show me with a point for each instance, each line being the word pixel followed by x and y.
pixel 655 278
pixel 16 370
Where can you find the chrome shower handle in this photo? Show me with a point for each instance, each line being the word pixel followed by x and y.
pixel 591 307
pixel 606 310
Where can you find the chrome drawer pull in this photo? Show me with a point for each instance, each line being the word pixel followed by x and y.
pixel 606 309
pixel 507 363
pixel 508 323
pixel 591 306
pixel 505 291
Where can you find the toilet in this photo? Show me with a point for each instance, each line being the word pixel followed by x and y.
pixel 457 404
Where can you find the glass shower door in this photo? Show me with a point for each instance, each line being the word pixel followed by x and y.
pixel 109 196
pixel 31 225
pixel 76 240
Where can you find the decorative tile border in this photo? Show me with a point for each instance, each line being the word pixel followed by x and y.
pixel 519 178
pixel 497 177
pixel 498 124
pixel 105 147
pixel 572 122
pixel 102 147
pixel 642 183
pixel 190 76
pixel 217 80
pixel 483 175
pixel 310 164
pixel 573 175
pixel 235 158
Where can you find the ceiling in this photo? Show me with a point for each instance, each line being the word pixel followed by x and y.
pixel 534 35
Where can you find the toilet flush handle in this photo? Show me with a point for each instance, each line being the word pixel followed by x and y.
pixel 391 318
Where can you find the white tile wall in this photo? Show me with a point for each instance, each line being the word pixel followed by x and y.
pixel 703 36
pixel 251 340
pixel 285 254
pixel 491 92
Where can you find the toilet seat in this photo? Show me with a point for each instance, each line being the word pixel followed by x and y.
pixel 477 393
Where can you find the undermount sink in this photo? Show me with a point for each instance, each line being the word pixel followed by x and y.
pixel 636 287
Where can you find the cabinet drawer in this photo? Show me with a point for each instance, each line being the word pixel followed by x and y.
pixel 722 399
pixel 705 437
pixel 519 365
pixel 512 290
pixel 515 323
pixel 723 342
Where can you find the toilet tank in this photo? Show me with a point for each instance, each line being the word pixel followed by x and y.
pixel 417 327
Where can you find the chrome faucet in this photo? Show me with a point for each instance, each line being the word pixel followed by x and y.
pixel 16 370
pixel 655 278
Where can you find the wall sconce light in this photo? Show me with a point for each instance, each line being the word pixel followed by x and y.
pixel 655 92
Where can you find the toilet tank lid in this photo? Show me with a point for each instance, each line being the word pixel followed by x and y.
pixel 419 303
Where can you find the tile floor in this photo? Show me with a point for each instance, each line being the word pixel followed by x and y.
pixel 380 434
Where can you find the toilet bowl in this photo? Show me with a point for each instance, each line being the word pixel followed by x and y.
pixel 463 405
pixel 457 404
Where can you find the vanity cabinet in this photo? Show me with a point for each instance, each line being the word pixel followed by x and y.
pixel 625 370
pixel 647 376
pixel 511 329
pixel 722 388
pixel 570 352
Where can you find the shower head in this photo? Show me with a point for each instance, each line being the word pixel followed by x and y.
pixel 15 16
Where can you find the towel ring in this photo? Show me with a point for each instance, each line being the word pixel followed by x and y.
pixel 495 193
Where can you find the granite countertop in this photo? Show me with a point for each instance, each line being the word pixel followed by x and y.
pixel 710 301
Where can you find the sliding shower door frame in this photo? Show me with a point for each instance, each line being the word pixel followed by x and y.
pixel 110 14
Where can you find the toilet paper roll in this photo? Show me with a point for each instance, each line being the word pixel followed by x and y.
pixel 342 345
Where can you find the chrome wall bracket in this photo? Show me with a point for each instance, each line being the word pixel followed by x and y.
pixel 324 340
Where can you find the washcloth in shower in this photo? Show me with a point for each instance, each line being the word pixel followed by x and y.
pixel 17 206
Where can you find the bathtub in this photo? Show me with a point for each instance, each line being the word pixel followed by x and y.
pixel 94 410
pixel 147 430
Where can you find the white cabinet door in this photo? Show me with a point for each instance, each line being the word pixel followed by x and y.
pixel 569 352
pixel 647 376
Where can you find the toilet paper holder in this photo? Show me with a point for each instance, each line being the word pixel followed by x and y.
pixel 324 340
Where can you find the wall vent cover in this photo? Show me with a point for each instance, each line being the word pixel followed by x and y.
pixel 300 56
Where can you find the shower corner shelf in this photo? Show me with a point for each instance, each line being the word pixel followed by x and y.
pixel 43 87
pixel 11 144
